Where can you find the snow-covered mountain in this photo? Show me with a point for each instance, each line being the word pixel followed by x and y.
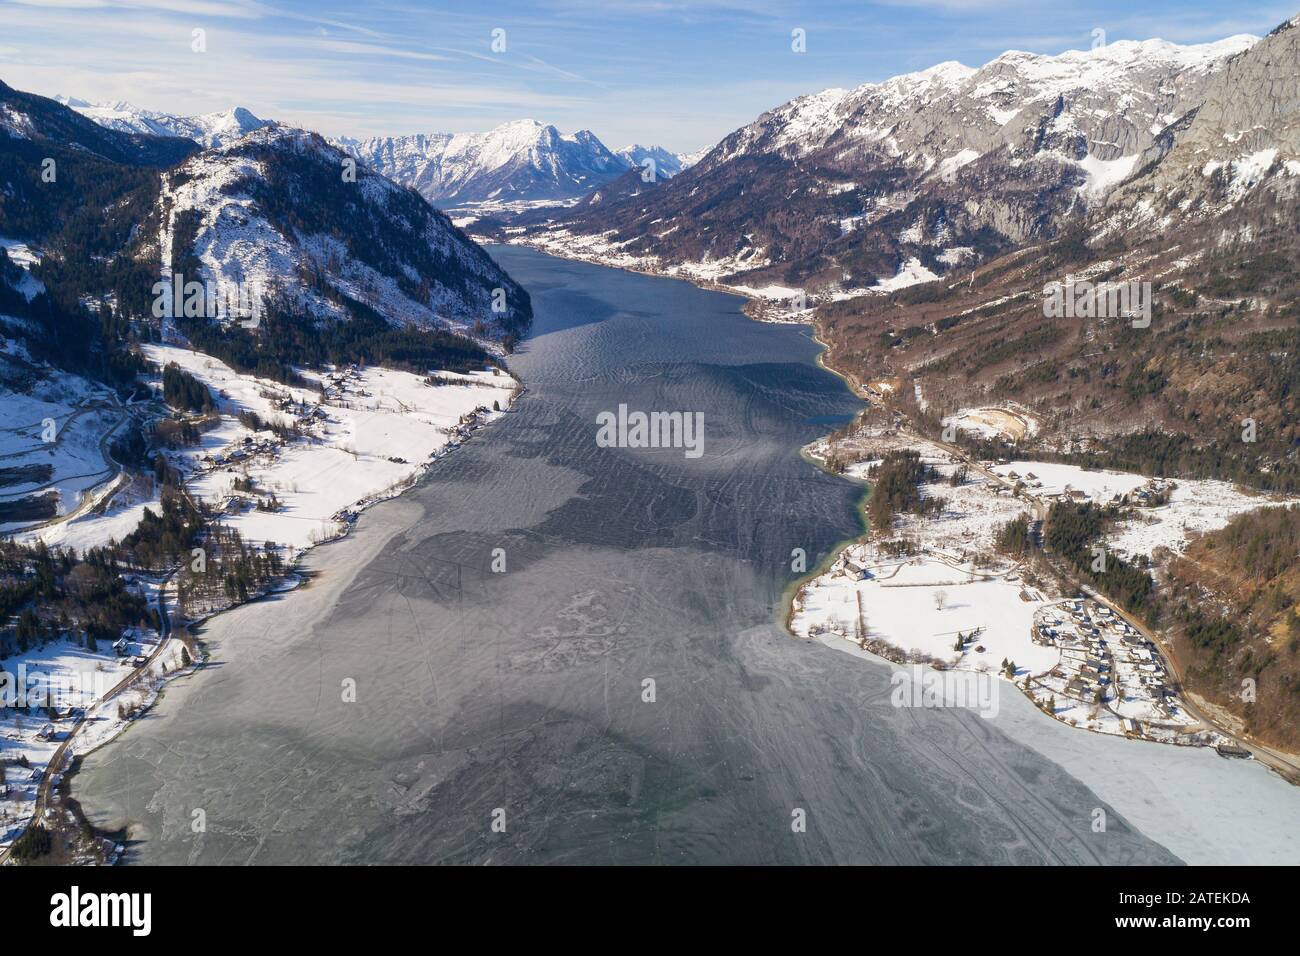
pixel 35 119
pixel 522 160
pixel 666 164
pixel 210 129
pixel 1106 103
pixel 688 160
pixel 843 189
pixel 274 212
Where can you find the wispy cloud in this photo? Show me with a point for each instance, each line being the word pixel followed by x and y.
pixel 679 72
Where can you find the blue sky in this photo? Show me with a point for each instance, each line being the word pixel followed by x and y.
pixel 681 74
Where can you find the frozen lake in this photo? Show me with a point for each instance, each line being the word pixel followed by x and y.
pixel 519 697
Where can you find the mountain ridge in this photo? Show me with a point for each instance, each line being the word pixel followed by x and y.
pixel 208 129
pixel 519 161
pixel 843 190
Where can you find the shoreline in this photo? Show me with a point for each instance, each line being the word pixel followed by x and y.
pixel 700 283
pixel 291 579
pixel 786 612
pixel 1033 688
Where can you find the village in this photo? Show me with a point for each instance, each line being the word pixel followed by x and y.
pixel 933 589
pixel 63 698
pixel 1109 678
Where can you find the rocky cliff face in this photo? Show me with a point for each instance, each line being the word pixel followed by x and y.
pixel 1241 145
pixel 1207 222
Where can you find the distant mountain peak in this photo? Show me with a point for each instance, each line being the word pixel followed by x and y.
pixel 666 164
pixel 208 129
pixel 522 160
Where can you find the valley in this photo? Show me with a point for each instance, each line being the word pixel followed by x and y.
pixel 921 459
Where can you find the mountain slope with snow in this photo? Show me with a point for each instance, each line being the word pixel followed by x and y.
pixel 1241 147
pixel 1205 222
pixel 274 211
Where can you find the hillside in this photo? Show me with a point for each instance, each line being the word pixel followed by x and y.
pixel 1238 630
pixel 1173 397
pixel 274 211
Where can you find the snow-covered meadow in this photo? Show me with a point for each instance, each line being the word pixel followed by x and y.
pixel 365 434
pixel 920 604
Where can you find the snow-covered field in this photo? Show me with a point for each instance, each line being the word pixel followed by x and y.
pixel 970 519
pixel 1195 505
pixel 1194 508
pixel 994 423
pixel 373 434
pixel 24 256
pixel 95 529
pixel 1057 479
pixel 919 605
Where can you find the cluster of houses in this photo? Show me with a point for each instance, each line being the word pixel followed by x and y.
pixel 469 422
pixel 1154 492
pixel 1105 661
pixel 334 388
pixel 264 443
pixel 335 383
pixel 848 567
